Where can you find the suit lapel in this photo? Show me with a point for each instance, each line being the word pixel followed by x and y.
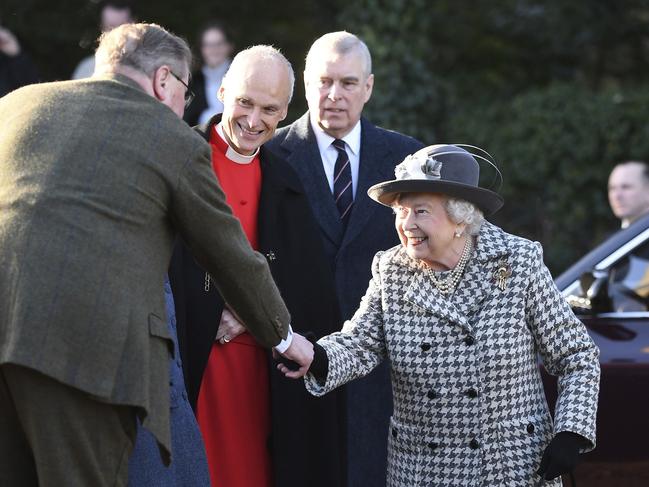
pixel 422 293
pixel 304 157
pixel 376 164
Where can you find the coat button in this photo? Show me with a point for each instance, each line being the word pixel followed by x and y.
pixel 425 347
pixel 474 444
pixel 433 395
pixel 472 393
pixel 530 428
pixel 433 445
pixel 469 340
pixel 394 432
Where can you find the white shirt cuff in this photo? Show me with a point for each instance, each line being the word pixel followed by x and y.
pixel 282 346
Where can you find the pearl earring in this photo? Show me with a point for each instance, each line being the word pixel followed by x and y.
pixel 458 234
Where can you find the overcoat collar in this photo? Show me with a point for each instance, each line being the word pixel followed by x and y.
pixel 120 78
pixel 376 162
pixel 476 285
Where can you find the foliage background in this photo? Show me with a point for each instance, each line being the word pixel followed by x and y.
pixel 555 90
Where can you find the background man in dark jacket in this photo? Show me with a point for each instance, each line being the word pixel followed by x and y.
pixel 338 155
pixel 96 179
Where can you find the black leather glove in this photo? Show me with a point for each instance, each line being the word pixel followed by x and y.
pixel 561 455
pixel 320 365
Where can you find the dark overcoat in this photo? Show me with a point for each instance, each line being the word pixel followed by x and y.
pixel 349 254
pixel 306 433
pixel 96 180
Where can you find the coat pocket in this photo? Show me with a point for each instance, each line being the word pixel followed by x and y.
pixel 522 442
pixel 159 328
pixel 405 444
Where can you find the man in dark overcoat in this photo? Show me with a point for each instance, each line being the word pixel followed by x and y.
pixel 97 177
pixel 306 435
pixel 338 155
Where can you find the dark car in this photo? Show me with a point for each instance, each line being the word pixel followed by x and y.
pixel 609 290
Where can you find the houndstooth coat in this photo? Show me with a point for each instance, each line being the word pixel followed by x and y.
pixel 469 406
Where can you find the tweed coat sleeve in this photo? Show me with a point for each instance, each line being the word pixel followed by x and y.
pixel 360 346
pixel 567 352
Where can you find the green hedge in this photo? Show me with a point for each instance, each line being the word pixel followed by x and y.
pixel 550 87
pixel 556 147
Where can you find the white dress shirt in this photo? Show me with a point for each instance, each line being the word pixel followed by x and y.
pixel 329 154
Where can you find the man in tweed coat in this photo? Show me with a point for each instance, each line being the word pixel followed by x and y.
pixel 96 179
pixel 469 405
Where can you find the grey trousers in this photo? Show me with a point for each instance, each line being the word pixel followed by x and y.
pixel 54 435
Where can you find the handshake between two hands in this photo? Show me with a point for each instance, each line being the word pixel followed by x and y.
pixel 296 360
pixel 293 363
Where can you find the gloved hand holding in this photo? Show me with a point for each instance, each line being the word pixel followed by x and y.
pixel 561 455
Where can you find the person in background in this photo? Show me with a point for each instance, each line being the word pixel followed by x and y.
pixel 628 191
pixel 628 195
pixel 16 67
pixel 259 429
pixel 216 49
pixel 97 179
pixel 112 13
pixel 338 155
pixel 463 311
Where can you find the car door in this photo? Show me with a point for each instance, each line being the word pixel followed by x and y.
pixel 618 322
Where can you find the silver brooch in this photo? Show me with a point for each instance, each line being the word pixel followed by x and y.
pixel 502 274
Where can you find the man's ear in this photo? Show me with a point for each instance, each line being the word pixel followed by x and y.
pixel 160 81
pixel 220 94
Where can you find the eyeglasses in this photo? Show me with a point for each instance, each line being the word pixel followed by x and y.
pixel 189 94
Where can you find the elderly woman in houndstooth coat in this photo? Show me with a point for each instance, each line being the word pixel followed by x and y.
pixel 462 310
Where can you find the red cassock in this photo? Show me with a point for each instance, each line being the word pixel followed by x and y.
pixel 233 409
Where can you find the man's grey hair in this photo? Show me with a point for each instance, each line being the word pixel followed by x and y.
pixel 341 43
pixel 143 47
pixel 261 53
pixel 461 211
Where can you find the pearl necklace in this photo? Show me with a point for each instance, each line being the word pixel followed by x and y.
pixel 446 285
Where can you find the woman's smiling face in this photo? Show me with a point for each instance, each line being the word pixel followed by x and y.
pixel 424 228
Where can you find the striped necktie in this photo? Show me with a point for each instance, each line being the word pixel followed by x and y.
pixel 343 193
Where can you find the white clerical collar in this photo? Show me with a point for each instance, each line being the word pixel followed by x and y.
pixel 232 154
pixel 352 139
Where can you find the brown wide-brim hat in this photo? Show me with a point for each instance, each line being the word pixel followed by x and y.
pixel 444 169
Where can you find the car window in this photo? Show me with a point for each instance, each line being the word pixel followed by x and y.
pixel 628 282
